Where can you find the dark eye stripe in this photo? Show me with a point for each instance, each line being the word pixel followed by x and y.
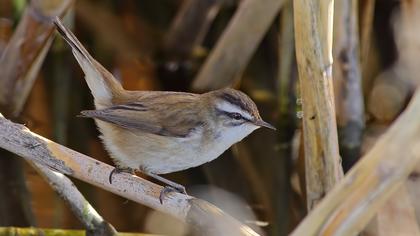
pixel 230 114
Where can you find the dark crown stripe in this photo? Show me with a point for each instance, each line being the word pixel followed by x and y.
pixel 236 101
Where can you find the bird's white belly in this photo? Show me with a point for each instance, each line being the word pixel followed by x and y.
pixel 178 154
pixel 159 154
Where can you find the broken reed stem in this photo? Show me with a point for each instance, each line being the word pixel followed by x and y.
pixel 313 36
pixel 348 208
pixel 201 215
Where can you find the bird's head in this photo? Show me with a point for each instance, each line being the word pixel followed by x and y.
pixel 236 115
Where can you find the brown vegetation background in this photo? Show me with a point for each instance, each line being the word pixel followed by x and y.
pixel 165 45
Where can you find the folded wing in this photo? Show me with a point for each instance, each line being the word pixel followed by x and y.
pixel 159 120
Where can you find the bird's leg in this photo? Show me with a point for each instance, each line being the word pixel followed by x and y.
pixel 117 170
pixel 170 185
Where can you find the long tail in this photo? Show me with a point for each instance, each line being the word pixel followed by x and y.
pixel 101 82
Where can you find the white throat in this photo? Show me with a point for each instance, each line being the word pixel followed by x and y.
pixel 226 137
pixel 232 135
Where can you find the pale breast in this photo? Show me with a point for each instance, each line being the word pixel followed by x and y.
pixel 155 153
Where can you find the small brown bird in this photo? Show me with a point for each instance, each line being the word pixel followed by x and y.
pixel 158 132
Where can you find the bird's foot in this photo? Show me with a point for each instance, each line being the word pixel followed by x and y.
pixel 168 189
pixel 118 170
pixel 170 185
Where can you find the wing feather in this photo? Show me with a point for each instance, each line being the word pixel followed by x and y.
pixel 173 117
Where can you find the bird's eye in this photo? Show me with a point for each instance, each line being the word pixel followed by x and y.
pixel 236 116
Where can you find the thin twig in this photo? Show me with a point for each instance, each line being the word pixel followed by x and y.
pixel 87 215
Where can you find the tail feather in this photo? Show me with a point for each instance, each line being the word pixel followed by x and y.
pixel 71 39
pixel 103 85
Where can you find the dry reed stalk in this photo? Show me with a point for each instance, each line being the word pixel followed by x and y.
pixel 313 35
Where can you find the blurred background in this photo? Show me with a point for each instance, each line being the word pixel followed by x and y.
pixel 163 45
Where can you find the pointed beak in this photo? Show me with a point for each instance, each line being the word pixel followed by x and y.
pixel 264 124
